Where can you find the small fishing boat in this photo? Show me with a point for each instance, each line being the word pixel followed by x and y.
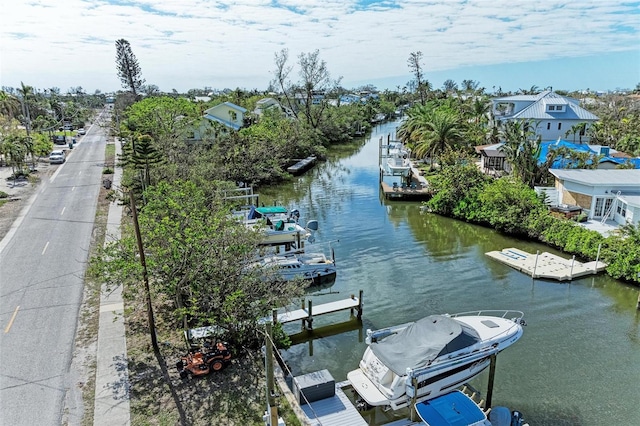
pixel 279 226
pixel 430 357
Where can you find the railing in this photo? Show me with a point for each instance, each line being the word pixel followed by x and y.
pixel 611 208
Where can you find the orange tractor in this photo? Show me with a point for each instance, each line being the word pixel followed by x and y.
pixel 201 361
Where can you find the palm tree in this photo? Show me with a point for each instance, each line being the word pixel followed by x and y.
pixel 522 150
pixel 9 105
pixel 579 128
pixel 430 130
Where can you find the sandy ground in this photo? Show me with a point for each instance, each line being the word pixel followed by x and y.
pixel 20 192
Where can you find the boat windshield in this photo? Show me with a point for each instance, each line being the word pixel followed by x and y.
pixel 422 342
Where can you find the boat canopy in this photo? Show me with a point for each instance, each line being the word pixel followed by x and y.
pixel 271 210
pixel 420 343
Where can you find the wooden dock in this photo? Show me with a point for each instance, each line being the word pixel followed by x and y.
pixel 306 315
pixel 546 265
pixel 392 192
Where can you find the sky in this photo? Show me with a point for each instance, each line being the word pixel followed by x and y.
pixel 187 44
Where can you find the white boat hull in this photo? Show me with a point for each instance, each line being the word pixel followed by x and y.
pixel 431 385
pixel 442 368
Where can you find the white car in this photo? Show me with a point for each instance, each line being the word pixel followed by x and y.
pixel 57 157
pixel 81 131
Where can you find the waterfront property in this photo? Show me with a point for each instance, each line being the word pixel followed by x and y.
pixel 553 115
pixel 603 195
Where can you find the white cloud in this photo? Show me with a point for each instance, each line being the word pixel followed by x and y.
pixel 185 44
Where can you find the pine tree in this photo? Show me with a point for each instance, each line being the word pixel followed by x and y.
pixel 128 68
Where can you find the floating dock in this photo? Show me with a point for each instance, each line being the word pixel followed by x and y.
pixel 546 265
pixel 302 165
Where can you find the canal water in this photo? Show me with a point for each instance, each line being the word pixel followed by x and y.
pixel 578 362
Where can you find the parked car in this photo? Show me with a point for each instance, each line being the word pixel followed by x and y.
pixel 81 131
pixel 59 140
pixel 57 157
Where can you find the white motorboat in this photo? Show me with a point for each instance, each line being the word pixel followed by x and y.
pixel 398 161
pixel 280 227
pixel 432 356
pixel 314 267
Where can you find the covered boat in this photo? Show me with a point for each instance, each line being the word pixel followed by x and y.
pixel 432 356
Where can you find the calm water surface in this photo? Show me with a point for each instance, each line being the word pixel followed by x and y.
pixel 578 362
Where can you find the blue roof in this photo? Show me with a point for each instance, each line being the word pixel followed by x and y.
pixel 561 163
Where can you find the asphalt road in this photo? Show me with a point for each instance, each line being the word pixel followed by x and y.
pixel 42 271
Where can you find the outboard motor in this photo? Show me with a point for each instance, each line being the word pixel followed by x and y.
pixel 312 225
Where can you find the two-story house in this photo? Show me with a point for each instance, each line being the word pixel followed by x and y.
pixel 226 115
pixel 554 116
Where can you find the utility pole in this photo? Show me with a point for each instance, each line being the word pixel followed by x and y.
pixel 145 277
pixel 268 365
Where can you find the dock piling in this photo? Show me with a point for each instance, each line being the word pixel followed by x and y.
pixel 535 265
pixel 573 260
pixel 310 317
pixel 595 266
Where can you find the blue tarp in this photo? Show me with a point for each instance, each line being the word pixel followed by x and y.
pixel 561 163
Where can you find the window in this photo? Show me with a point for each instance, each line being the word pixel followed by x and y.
pixel 548 126
pixel 623 208
pixel 552 107
pixel 559 126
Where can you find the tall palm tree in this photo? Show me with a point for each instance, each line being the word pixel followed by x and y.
pixel 430 130
pixel 522 150
pixel 9 105
pixel 26 92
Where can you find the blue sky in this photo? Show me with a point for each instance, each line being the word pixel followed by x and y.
pixel 184 44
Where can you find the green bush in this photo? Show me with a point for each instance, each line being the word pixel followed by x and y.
pixel 4 194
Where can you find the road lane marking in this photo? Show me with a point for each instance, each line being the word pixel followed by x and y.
pixel 62 212
pixel 13 317
pixel 73 188
pixel 45 247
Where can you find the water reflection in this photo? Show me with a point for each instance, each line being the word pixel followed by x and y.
pixel 578 362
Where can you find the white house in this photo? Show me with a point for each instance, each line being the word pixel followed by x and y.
pixel 552 114
pixel 602 194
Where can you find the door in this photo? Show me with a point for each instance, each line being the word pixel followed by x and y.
pixel 603 204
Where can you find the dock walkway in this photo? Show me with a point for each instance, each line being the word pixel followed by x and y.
pixel 306 315
pixel 546 265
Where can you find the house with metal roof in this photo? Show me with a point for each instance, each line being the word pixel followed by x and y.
pixel 554 116
pixel 604 195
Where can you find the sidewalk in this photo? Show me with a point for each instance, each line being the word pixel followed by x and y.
pixel 112 377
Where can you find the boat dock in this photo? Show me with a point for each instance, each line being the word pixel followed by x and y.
pixel 306 315
pixel 302 165
pixel 546 265
pixel 412 191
